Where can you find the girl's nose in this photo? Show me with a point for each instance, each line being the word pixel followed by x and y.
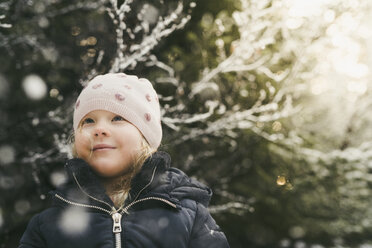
pixel 101 132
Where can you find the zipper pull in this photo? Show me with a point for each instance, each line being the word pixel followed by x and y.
pixel 116 217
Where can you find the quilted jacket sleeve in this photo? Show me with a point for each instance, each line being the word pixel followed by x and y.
pixel 32 237
pixel 206 233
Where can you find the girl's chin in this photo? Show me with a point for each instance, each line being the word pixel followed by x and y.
pixel 107 175
pixel 107 172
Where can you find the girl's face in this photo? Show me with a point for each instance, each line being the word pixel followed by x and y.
pixel 107 142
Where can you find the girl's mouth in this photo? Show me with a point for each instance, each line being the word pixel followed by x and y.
pixel 102 147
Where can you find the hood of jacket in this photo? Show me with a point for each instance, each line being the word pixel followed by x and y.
pixel 156 178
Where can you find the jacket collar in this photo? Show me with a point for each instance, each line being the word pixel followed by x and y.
pixel 155 178
pixel 150 175
pixel 84 185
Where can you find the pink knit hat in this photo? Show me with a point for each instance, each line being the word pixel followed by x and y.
pixel 131 97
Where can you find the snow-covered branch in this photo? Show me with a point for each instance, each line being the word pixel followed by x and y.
pixel 82 5
pixel 4 6
pixel 273 104
pixel 130 54
pixel 4 25
pixel 231 207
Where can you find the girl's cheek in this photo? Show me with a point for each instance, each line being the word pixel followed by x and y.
pixel 82 136
pixel 135 143
pixel 82 142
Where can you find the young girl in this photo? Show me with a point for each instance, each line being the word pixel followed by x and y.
pixel 120 191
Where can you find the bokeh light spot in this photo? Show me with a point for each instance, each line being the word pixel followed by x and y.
pixel 75 31
pixel 57 178
pixel 163 222
pixel 92 40
pixel 281 180
pixel 34 87
pixel 7 154
pixel 91 52
pixel 74 221
pixel 43 22
pixel 150 13
pixel 285 243
pixel 35 121
pixel 22 206
pixel 277 126
pixel 53 93
pixel 296 232
pixel 7 182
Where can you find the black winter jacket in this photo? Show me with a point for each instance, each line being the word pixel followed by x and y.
pixel 165 208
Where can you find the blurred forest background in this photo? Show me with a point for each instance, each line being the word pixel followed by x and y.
pixel 268 102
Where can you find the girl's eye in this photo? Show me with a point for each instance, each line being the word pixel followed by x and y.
pixel 118 118
pixel 87 121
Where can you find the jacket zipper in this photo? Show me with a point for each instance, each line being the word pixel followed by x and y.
pixel 81 205
pixel 82 190
pixel 125 210
pixel 116 217
pixel 116 229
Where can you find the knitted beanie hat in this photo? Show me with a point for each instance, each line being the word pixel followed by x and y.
pixel 131 97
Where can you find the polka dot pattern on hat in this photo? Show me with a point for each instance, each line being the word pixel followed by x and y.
pixel 96 86
pixel 148 117
pixel 119 97
pixel 131 97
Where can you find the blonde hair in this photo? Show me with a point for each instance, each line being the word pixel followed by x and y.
pixel 119 188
